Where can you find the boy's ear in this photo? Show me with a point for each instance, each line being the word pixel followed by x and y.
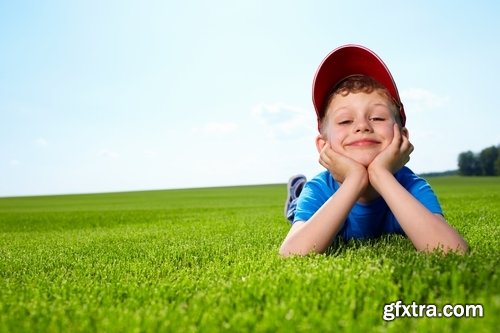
pixel 404 131
pixel 320 143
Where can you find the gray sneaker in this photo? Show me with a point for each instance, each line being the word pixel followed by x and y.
pixel 295 186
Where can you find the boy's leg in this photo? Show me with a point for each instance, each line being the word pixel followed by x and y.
pixel 295 186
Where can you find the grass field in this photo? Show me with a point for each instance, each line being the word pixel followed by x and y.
pixel 207 260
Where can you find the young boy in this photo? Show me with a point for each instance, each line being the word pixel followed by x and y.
pixel 363 143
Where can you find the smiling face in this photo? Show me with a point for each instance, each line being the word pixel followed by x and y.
pixel 359 125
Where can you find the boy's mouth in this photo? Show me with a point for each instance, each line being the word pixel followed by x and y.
pixel 363 142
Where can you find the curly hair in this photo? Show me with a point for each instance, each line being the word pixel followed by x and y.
pixel 358 84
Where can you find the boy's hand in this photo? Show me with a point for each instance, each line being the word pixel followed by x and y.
pixel 340 166
pixel 394 156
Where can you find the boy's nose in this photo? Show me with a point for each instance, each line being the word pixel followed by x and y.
pixel 362 126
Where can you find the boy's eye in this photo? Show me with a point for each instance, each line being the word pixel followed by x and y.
pixel 377 118
pixel 344 122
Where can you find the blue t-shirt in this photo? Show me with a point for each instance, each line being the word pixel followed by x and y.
pixel 368 220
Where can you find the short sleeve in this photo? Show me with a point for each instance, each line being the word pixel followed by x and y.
pixel 314 194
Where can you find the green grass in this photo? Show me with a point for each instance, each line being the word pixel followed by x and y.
pixel 207 260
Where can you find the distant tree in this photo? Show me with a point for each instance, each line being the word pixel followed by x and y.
pixel 487 159
pixel 468 164
pixel 497 162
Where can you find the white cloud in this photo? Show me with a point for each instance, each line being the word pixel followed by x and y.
pixel 419 100
pixel 285 121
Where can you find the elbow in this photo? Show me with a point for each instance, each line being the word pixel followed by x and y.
pixel 460 247
pixel 286 251
pixel 283 253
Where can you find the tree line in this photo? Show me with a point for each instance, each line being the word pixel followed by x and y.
pixel 484 163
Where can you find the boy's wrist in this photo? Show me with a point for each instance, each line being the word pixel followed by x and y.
pixel 376 176
pixel 358 176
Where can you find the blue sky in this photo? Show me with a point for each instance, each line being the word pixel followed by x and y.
pixel 99 96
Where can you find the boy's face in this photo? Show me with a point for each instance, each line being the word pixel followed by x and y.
pixel 360 125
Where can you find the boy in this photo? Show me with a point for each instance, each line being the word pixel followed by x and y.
pixel 366 190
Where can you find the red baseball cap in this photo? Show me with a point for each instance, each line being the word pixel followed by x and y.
pixel 345 61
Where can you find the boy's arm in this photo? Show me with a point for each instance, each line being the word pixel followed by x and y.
pixel 426 230
pixel 318 232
